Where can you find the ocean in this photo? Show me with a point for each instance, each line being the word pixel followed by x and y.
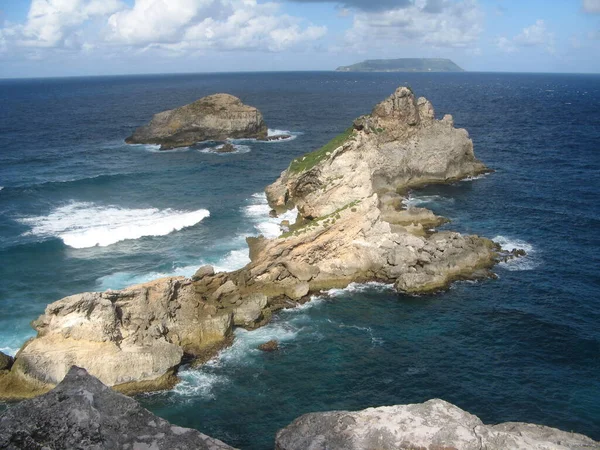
pixel 82 211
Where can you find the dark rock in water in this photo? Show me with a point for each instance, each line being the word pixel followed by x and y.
pixel 270 346
pixel 225 148
pixel 6 361
pixel 82 413
pixel 435 424
pixel 278 137
pixel 216 117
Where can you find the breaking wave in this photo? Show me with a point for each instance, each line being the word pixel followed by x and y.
pixel 83 225
pixel 528 262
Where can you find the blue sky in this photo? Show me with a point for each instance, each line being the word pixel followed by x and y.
pixel 96 37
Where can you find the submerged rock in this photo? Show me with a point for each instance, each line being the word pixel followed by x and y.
pixel 435 424
pixel 213 118
pixel 225 148
pixel 81 413
pixel 277 137
pixel 270 346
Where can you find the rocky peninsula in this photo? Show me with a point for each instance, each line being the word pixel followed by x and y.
pixel 214 118
pixel 352 227
pixel 81 413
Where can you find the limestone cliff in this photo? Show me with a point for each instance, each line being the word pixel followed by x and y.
pixel 216 117
pixel 398 146
pixel 352 227
pixel 435 424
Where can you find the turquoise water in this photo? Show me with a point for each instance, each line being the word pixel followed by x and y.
pixel 75 201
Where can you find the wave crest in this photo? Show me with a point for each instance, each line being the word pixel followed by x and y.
pixel 84 225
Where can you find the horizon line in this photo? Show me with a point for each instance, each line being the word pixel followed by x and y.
pixel 149 74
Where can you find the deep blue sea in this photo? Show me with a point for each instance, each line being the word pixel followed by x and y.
pixel 82 211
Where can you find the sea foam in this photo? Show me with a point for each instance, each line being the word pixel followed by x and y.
pixel 508 244
pixel 258 213
pixel 83 225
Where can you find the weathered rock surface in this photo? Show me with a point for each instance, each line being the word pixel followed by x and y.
pixel 216 117
pixel 352 227
pixel 82 413
pixel 433 425
pixel 6 361
pixel 132 339
pixel 399 145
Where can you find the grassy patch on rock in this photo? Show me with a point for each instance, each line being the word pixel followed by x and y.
pixel 310 160
pixel 327 220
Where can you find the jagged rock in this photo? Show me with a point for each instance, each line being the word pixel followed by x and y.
pixel 398 146
pixel 82 413
pixel 216 117
pixel 270 346
pixel 435 424
pixel 202 272
pixel 6 361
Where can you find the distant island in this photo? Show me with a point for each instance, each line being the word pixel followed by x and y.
pixel 403 65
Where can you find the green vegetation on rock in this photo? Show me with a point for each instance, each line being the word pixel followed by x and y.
pixel 403 65
pixel 329 219
pixel 310 160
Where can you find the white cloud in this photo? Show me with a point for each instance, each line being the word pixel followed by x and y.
pixel 591 6
pixel 504 44
pixel 536 35
pixel 170 25
pixel 54 23
pixel 450 23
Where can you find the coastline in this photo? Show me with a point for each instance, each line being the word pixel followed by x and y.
pixel 349 234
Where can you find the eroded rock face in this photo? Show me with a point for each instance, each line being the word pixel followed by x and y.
pixel 435 424
pixel 81 413
pixel 400 145
pixel 132 339
pixel 216 117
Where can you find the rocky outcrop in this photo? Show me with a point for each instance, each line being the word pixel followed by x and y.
pixel 132 340
pixel 216 117
pixel 433 425
pixel 82 413
pixel 352 226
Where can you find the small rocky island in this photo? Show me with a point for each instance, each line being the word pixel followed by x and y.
pixel 403 65
pixel 214 118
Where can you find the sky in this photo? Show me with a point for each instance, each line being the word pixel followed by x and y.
pixel 47 38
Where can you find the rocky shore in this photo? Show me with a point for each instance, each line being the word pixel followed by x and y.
pixel 82 413
pixel 214 118
pixel 435 424
pixel 352 227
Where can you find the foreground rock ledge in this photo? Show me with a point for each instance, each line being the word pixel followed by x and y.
pixel 213 118
pixel 82 413
pixel 351 227
pixel 433 425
